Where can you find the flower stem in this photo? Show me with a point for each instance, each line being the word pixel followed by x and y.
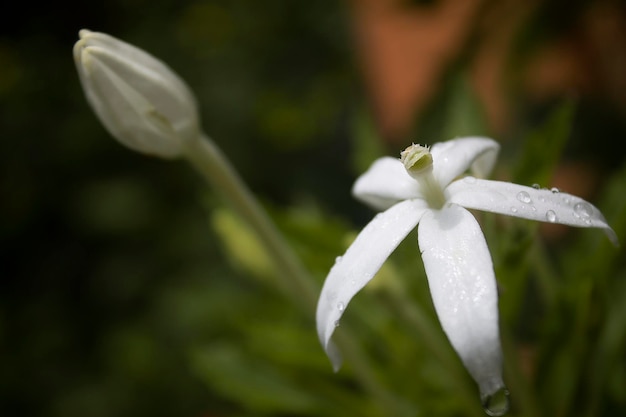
pixel 438 345
pixel 209 161
pixel 293 278
pixel 517 382
pixel 388 403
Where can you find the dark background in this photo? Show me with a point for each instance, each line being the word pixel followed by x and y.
pixel 112 273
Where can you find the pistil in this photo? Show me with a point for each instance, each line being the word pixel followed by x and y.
pixel 418 162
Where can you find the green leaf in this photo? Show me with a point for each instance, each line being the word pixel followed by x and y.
pixel 542 147
pixel 464 112
pixel 367 143
pixel 255 385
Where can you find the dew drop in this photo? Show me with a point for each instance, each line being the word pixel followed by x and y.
pixel 551 216
pixel 513 209
pixel 341 306
pixel 582 211
pixel 497 404
pixel 536 186
pixel 337 323
pixel 524 197
pixel 555 190
pixel 338 259
pixel 469 180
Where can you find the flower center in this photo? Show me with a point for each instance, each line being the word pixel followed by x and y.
pixel 418 162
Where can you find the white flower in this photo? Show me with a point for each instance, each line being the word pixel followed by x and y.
pixel 138 98
pixel 424 189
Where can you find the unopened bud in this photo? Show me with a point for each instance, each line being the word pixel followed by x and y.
pixel 138 98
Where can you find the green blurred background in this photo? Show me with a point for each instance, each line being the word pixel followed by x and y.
pixel 128 288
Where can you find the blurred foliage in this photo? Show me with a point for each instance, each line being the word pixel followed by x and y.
pixel 128 289
pixel 542 148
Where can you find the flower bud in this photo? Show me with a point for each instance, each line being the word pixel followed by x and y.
pixel 138 98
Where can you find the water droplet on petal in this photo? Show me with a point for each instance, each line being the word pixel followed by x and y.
pixel 524 197
pixel 469 180
pixel 497 404
pixel 583 210
pixel 341 306
pixel 551 216
pixel 536 186
pixel 337 323
pixel 513 209
pixel 338 259
pixel 555 190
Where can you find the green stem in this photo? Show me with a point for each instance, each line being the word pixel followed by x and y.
pixel 517 382
pixel 388 403
pixel 439 347
pixel 209 161
pixel 547 276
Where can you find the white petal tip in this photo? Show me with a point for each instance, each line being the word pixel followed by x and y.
pixel 610 233
pixel 333 354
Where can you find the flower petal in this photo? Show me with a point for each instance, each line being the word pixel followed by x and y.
pixel 528 203
pixel 359 265
pixel 463 288
pixel 385 183
pixel 454 157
